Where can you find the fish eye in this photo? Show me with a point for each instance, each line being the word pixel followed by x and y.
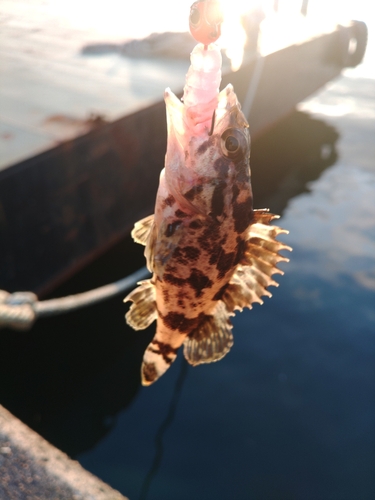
pixel 195 16
pixel 233 144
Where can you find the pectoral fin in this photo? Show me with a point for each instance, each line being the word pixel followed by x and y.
pixel 212 340
pixel 144 233
pixel 142 229
pixel 143 310
pixel 259 262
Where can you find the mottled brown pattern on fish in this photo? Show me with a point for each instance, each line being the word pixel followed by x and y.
pixel 209 235
pixel 221 166
pixel 166 294
pixel 180 214
pixel 198 280
pixel 241 246
pixel 219 294
pixel 186 254
pixel 205 145
pixel 217 201
pixel 149 372
pixel 191 253
pixel 193 192
pixel 235 192
pixel 216 248
pixel 179 321
pixel 242 172
pixel 164 349
pixel 181 299
pixel 171 228
pixel 242 215
pixel 173 280
pixel 196 224
pixel 225 263
pixel 179 256
pixel 169 201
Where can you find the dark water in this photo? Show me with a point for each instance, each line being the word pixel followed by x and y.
pixel 289 413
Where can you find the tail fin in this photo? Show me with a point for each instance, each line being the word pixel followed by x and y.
pixel 157 359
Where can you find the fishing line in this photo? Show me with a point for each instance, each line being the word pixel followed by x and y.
pixel 212 123
pixel 162 429
pixel 253 85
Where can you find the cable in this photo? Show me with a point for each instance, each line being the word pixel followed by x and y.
pixel 20 310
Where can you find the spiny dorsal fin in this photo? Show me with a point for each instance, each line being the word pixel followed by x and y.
pixel 143 310
pixel 212 340
pixel 141 230
pixel 263 215
pixel 259 262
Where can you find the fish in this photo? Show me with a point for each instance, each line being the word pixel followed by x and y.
pixel 209 251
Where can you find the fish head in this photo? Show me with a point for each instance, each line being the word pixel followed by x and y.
pixel 231 128
pixel 204 141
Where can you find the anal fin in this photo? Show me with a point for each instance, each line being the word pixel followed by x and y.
pixel 212 340
pixel 143 310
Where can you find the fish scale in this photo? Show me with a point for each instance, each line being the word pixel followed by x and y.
pixel 209 252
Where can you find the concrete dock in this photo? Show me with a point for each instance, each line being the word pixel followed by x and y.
pixel 31 468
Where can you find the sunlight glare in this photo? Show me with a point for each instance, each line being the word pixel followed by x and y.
pixel 117 20
pixel 114 19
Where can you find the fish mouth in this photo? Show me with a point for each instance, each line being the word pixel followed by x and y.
pixel 175 113
pixel 229 107
pixel 185 121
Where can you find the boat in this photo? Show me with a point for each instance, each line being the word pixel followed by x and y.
pixel 70 197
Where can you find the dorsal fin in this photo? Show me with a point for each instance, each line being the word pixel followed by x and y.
pixel 143 310
pixel 259 262
pixel 142 229
pixel 263 215
pixel 212 340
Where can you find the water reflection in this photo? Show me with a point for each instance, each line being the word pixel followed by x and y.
pixel 338 225
pixel 284 161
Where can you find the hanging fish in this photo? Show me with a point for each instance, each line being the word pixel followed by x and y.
pixel 210 253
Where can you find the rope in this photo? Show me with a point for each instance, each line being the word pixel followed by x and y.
pixel 20 310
